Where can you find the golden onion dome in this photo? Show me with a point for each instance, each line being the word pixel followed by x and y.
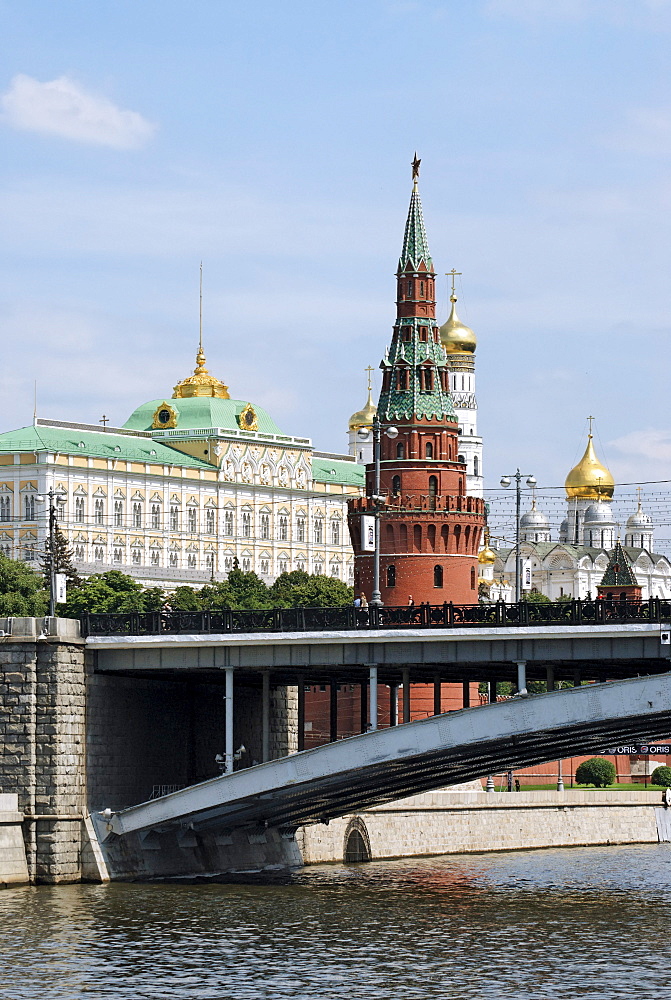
pixel 455 336
pixel 589 479
pixel 487 556
pixel 364 418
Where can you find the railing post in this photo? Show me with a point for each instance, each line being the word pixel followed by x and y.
pixel 374 615
pixel 446 613
pixel 450 615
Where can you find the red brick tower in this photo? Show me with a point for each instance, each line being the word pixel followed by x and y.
pixel 429 529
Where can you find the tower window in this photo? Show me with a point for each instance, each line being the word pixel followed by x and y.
pixel 438 576
pixel 396 485
pixel 433 485
pixel 391 576
pixel 400 450
pixel 476 465
pixel 472 577
pixel 410 289
pixel 429 450
pixel 421 288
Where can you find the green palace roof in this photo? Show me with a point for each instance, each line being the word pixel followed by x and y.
pixel 98 444
pixel 330 470
pixel 201 412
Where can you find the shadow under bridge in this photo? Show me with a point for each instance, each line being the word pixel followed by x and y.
pixel 377 767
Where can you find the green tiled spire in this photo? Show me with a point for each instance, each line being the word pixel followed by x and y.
pixel 619 572
pixel 415 243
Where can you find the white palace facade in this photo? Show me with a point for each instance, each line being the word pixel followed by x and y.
pixel 186 487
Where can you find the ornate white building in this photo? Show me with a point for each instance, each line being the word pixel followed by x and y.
pixel 188 485
pixel 575 565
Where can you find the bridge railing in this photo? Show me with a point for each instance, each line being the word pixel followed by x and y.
pixel 447 615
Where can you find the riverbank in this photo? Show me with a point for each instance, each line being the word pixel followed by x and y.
pixel 466 821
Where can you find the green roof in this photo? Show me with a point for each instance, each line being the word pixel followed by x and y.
pixel 330 470
pixel 199 412
pixel 97 444
pixel 619 572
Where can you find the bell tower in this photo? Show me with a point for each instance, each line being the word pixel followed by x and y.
pixel 430 529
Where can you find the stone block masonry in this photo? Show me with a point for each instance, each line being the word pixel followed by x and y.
pixel 43 740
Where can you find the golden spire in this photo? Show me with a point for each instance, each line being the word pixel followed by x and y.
pixel 364 417
pixel 486 557
pixel 201 383
pixel 590 479
pixel 455 336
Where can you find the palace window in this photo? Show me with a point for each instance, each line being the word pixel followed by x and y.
pixel 283 567
pixel 137 515
pixel 154 557
pixel 192 520
pixel 155 516
pixel 319 569
pixel 209 521
pixel 265 567
pixel 174 518
pixel 117 555
pixel 265 526
pixel 246 525
pixel 5 509
pixel 98 511
pixel 172 559
pixel 318 530
pixel 335 570
pixel 209 561
pixel 284 528
pixel 98 553
pixel 136 558
pixel 118 513
pixel 79 552
pixel 29 507
pixel 300 529
pixel 29 553
pixel 335 532
pixel 246 565
pixel 228 523
pixel 191 560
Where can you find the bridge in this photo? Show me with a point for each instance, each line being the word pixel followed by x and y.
pixel 259 808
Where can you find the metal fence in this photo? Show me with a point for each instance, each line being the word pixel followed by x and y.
pixel 448 615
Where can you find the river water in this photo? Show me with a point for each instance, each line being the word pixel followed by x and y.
pixel 589 923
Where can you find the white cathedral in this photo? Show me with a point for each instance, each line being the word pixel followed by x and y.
pixel 574 565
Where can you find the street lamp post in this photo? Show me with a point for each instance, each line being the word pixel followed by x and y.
pixel 378 501
pixel 51 496
pixel 505 482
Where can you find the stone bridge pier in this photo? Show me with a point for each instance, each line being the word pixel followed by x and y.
pixel 73 741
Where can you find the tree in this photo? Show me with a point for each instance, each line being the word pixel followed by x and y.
pixel 62 560
pixel 185 599
pixel 596 771
pixel 242 591
pixel 302 590
pixel 108 592
pixel 661 776
pixel 535 597
pixel 22 592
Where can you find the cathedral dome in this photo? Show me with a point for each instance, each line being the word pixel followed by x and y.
pixel 534 519
pixel 455 336
pixel 639 520
pixel 363 418
pixel 598 513
pixel 487 557
pixel 589 479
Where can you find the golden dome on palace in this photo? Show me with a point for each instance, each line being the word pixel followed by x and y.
pixel 455 336
pixel 487 557
pixel 201 383
pixel 589 479
pixel 364 418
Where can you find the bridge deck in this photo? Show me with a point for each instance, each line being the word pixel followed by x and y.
pixel 389 764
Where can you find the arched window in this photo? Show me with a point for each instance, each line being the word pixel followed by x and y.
pixel 137 516
pixel 444 535
pixel 192 517
pixel 209 521
pixel 472 577
pixel 417 537
pixel 155 516
pixel 410 289
pixel 391 576
pixel 433 491
pixel 246 525
pixel 29 507
pixel 98 511
pixel 476 465
pixel 335 532
pixel 431 537
pixel 118 513
pixel 438 576
pixel 421 288
pixel 284 528
pixel 174 519
pixel 400 450
pixel 265 526
pixel 429 450
pixel 396 485
pixel 390 536
pixel 461 459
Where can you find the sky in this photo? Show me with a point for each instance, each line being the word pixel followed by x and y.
pixel 273 142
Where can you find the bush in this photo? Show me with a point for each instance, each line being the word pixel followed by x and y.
pixel 661 776
pixel 596 771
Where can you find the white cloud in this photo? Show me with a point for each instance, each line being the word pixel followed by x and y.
pixel 61 107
